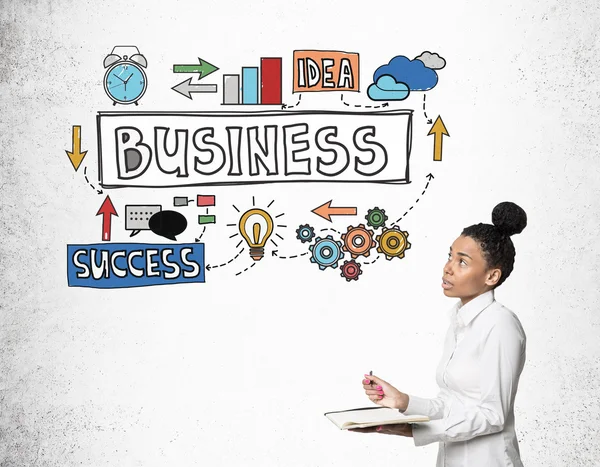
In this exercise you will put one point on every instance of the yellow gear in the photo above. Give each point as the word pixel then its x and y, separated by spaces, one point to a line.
pixel 393 242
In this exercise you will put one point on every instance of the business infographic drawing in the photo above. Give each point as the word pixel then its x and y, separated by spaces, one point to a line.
pixel 252 138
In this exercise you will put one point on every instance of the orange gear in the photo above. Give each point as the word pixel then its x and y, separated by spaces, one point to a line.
pixel 393 242
pixel 358 241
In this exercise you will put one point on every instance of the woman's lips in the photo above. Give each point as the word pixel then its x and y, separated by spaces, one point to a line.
pixel 446 285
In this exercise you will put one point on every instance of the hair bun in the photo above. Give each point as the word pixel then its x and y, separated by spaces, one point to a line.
pixel 509 218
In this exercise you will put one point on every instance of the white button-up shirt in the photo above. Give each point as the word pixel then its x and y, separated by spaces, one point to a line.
pixel 472 417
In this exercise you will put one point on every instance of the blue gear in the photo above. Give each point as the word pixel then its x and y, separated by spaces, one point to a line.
pixel 326 252
pixel 305 233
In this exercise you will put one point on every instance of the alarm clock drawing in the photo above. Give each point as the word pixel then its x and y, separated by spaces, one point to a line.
pixel 125 81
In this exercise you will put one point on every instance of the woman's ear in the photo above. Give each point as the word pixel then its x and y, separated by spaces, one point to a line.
pixel 493 276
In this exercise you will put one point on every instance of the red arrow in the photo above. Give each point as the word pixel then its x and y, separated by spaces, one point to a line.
pixel 107 210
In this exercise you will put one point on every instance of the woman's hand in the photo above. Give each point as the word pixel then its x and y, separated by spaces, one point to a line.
pixel 398 429
pixel 384 394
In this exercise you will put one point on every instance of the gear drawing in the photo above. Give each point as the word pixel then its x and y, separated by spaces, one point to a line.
pixel 326 252
pixel 350 270
pixel 358 241
pixel 305 233
pixel 376 217
pixel 393 242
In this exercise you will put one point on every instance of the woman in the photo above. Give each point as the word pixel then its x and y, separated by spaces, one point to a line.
pixel 472 417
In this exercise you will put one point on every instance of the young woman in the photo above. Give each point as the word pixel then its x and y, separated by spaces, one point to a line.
pixel 472 417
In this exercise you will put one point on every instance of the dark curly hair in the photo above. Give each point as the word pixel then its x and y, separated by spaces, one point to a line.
pixel 494 240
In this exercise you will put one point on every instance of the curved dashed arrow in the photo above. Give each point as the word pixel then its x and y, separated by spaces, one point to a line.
pixel 274 253
pixel 285 106
pixel 209 267
pixel 429 121
pixel 429 178
pixel 385 104
pixel 89 183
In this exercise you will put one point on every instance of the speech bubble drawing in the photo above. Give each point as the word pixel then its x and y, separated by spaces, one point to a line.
pixel 137 216
pixel 168 224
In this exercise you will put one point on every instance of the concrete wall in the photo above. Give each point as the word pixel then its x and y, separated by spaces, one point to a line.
pixel 238 371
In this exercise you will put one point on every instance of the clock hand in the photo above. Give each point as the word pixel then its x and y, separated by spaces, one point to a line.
pixel 129 77
pixel 118 77
pixel 117 85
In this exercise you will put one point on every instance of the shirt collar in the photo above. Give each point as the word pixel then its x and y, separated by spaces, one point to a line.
pixel 464 314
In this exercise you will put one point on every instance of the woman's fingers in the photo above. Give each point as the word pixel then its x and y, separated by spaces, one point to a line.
pixel 371 429
pixel 376 387
pixel 375 396
pixel 373 388
pixel 374 380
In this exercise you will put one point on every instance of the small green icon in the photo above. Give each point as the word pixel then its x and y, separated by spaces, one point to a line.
pixel 206 219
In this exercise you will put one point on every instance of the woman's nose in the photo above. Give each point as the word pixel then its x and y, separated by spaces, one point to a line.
pixel 447 269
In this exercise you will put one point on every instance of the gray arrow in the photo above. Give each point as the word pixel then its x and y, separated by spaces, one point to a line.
pixel 186 88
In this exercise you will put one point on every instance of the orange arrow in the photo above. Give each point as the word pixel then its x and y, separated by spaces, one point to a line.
pixel 438 130
pixel 76 156
pixel 326 211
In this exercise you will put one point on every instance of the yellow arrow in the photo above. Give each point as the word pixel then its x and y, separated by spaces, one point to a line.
pixel 76 156
pixel 438 130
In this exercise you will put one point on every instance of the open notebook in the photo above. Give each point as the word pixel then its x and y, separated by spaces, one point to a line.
pixel 369 416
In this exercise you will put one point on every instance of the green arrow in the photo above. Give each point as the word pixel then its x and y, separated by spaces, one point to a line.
pixel 204 68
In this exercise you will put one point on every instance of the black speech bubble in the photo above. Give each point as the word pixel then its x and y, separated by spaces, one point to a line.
pixel 167 224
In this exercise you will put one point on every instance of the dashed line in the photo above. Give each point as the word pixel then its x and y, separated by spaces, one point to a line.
pixel 371 262
pixel 295 256
pixel 429 121
pixel 333 230
pixel 203 230
pixel 285 106
pixel 227 262
pixel 88 181
pixel 249 267
pixel 363 106
pixel 411 208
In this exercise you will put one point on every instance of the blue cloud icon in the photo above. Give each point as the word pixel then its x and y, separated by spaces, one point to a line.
pixel 413 73
pixel 388 89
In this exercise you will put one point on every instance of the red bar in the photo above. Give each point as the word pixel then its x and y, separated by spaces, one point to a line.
pixel 270 81
pixel 205 200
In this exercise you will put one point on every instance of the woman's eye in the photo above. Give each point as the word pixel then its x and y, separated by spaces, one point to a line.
pixel 463 262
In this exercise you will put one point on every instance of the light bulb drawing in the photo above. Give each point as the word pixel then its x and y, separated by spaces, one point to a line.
pixel 256 227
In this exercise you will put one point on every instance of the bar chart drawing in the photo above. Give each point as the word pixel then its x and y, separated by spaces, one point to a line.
pixel 249 85
pixel 231 89
pixel 256 85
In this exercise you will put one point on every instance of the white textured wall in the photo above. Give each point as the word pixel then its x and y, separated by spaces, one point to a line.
pixel 194 375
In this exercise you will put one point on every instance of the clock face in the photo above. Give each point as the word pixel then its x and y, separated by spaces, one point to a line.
pixel 125 83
